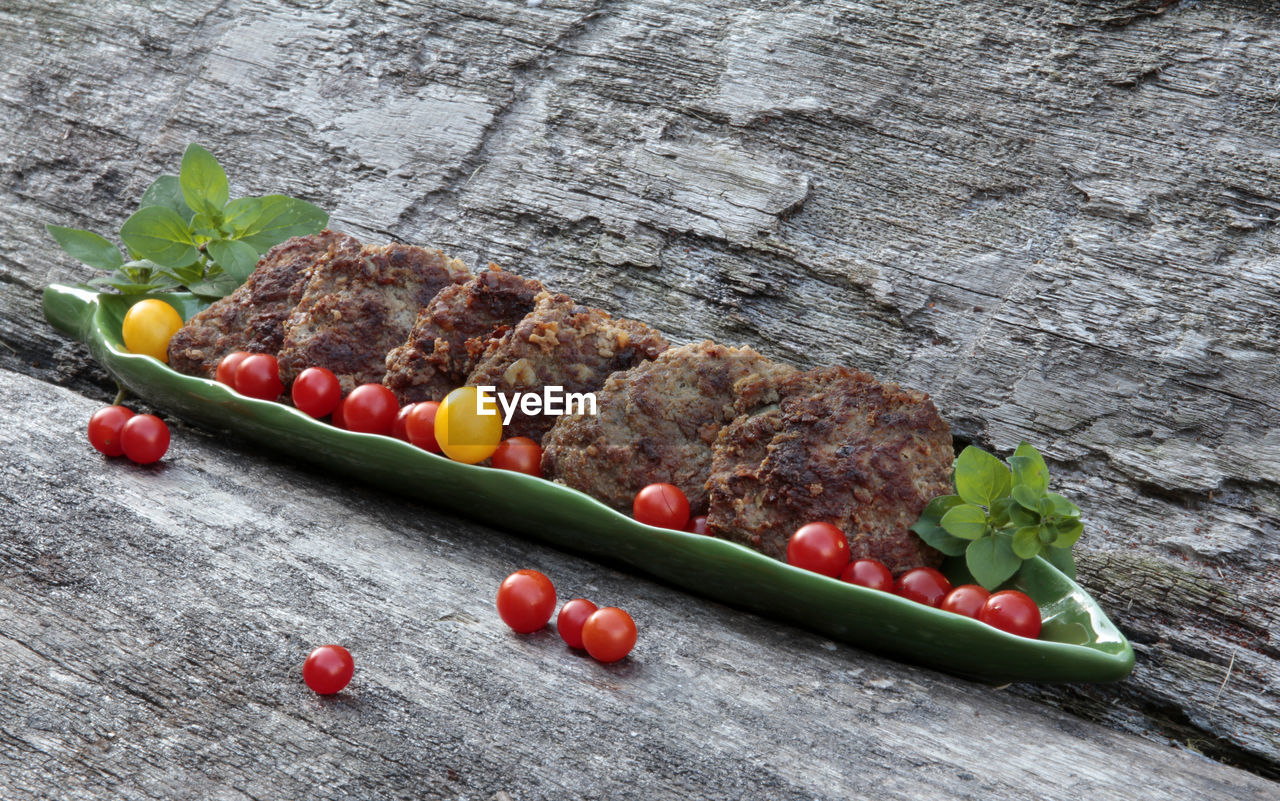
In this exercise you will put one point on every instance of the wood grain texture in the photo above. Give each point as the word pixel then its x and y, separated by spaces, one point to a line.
pixel 155 620
pixel 1057 218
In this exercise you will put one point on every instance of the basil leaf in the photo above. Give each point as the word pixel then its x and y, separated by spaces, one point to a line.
pixel 87 247
pixel 1027 497
pixel 1061 558
pixel 934 535
pixel 1062 506
pixel 991 560
pixel 203 182
pixel 217 287
pixel 1000 512
pixel 980 477
pixel 966 521
pixel 236 258
pixel 1029 469
pixel 167 191
pixel 241 214
pixel 1021 516
pixel 1026 542
pixel 1068 532
pixel 159 234
pixel 279 218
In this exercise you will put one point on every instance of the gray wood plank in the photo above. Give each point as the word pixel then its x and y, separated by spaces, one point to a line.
pixel 155 621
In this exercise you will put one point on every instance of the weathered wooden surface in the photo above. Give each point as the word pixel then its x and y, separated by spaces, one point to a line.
pixel 154 621
pixel 1058 218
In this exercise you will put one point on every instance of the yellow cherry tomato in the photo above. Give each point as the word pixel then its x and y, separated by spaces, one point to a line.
pixel 463 433
pixel 148 326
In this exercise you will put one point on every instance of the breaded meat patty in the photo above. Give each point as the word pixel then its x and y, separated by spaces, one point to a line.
pixel 561 343
pixel 358 305
pixel 252 317
pixel 657 422
pixel 453 331
pixel 841 448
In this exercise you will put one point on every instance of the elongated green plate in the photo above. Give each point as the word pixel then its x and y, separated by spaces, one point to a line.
pixel 1079 642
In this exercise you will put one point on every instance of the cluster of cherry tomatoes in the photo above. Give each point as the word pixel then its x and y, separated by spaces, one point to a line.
pixel 527 598
pixel 117 431
pixel 451 426
pixel 823 548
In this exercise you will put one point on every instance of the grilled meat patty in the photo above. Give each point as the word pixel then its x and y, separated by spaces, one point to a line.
pixel 561 343
pixel 357 305
pixel 842 448
pixel 252 317
pixel 453 331
pixel 657 422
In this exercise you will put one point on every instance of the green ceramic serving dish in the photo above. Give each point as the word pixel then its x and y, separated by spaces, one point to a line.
pixel 1079 643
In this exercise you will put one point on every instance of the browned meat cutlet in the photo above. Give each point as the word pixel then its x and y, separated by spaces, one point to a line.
pixel 561 343
pixel 358 305
pixel 252 317
pixel 453 331
pixel 842 448
pixel 658 422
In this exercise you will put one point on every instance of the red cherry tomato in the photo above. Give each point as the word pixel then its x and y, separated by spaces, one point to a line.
pixel 923 585
pixel 661 505
pixel 1012 611
pixel 328 669
pixel 144 438
pixel 104 429
pixel 226 372
pixel 258 376
pixel 420 425
pixel 370 409
pixel 569 621
pixel 698 525
pixel 316 391
pixel 336 417
pixel 519 454
pixel 526 599
pixel 820 547
pixel 399 427
pixel 868 573
pixel 967 600
pixel 609 634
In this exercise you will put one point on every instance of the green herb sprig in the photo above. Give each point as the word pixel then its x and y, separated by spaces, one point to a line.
pixel 1001 516
pixel 189 233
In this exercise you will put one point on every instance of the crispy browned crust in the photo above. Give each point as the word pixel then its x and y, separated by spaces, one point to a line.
pixel 842 448
pixel 252 317
pixel 453 331
pixel 357 305
pixel 657 423
pixel 564 344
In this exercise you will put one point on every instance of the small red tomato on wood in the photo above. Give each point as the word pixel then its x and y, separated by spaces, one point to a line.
pixel 316 391
pixel 820 547
pixel 609 634
pixel 923 585
pixel 569 622
pixel 1012 611
pixel 336 417
pixel 967 600
pixel 328 669
pixel 400 426
pixel 105 427
pixel 226 372
pixel 370 409
pixel 519 454
pixel 258 376
pixel 144 438
pixel 420 425
pixel 698 525
pixel 868 573
pixel 661 505
pixel 526 599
